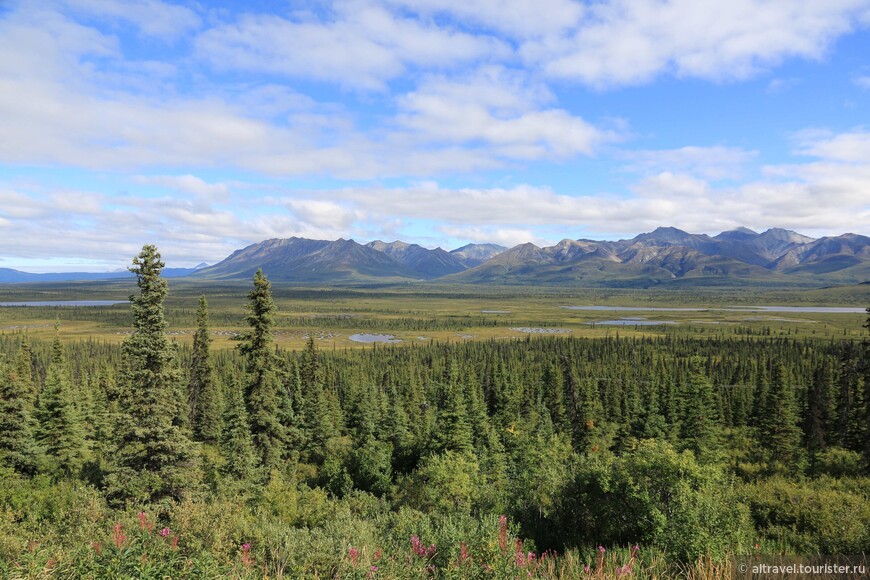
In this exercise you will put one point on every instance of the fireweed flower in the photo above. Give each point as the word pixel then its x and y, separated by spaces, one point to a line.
pixel 246 555
pixel 118 535
pixel 502 533
pixel 165 532
pixel 354 555
pixel 143 520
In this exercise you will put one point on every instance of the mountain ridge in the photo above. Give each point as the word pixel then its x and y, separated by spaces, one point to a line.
pixel 664 255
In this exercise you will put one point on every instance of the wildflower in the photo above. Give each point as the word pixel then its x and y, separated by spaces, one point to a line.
pixel 377 555
pixel 174 542
pixel 165 532
pixel 354 555
pixel 519 556
pixel 374 568
pixel 246 555
pixel 587 569
pixel 502 533
pixel 463 553
pixel 118 535
pixel 98 548
pixel 599 564
pixel 143 520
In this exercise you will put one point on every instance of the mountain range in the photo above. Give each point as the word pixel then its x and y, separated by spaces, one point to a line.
pixel 666 255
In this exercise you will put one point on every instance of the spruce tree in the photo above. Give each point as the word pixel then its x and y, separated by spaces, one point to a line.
pixel 453 429
pixel 237 447
pixel 779 431
pixel 59 427
pixel 699 430
pixel 17 445
pixel 264 390
pixel 205 403
pixel 154 458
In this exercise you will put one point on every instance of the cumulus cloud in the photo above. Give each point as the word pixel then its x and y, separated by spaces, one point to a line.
pixel 187 183
pixel 627 42
pixel 502 109
pixel 717 162
pixel 361 45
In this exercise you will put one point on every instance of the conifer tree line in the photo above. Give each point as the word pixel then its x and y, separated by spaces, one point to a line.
pixel 475 427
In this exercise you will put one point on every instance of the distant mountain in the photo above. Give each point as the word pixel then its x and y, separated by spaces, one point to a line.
pixel 473 255
pixel 666 255
pixel 426 263
pixel 10 276
pixel 303 260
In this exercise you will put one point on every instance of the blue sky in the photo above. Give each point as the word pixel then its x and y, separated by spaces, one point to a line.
pixel 206 126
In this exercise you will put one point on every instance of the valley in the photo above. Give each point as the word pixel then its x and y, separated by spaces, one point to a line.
pixel 422 313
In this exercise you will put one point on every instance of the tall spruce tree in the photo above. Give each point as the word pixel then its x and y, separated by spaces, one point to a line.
pixel 699 428
pixel 264 390
pixel 779 431
pixel 205 396
pixel 154 458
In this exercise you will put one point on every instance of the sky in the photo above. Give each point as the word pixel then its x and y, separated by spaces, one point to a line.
pixel 205 126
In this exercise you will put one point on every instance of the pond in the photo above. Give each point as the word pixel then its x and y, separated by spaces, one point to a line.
pixel 634 308
pixel 65 303
pixel 793 309
pixel 369 338
pixel 632 322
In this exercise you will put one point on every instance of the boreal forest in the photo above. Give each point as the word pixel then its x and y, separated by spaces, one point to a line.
pixel 545 457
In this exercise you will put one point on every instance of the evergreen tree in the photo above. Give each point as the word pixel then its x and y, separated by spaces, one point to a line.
pixel 17 445
pixel 820 409
pixel 154 457
pixel 453 429
pixel 699 430
pixel 59 428
pixel 779 431
pixel 205 403
pixel 237 446
pixel 264 390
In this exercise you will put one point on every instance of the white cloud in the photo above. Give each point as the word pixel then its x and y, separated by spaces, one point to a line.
pixel 717 162
pixel 626 42
pixel 849 147
pixel 516 18
pixel 507 237
pixel 187 183
pixel 502 109
pixel 152 17
pixel 362 45
pixel 323 214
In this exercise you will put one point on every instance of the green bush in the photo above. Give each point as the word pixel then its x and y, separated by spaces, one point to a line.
pixel 822 516
pixel 654 495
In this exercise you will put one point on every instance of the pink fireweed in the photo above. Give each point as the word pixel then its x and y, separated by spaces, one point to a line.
pixel 463 553
pixel 143 520
pixel 599 565
pixel 246 555
pixel 502 533
pixel 419 549
pixel 353 553
pixel 165 532
pixel 118 535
